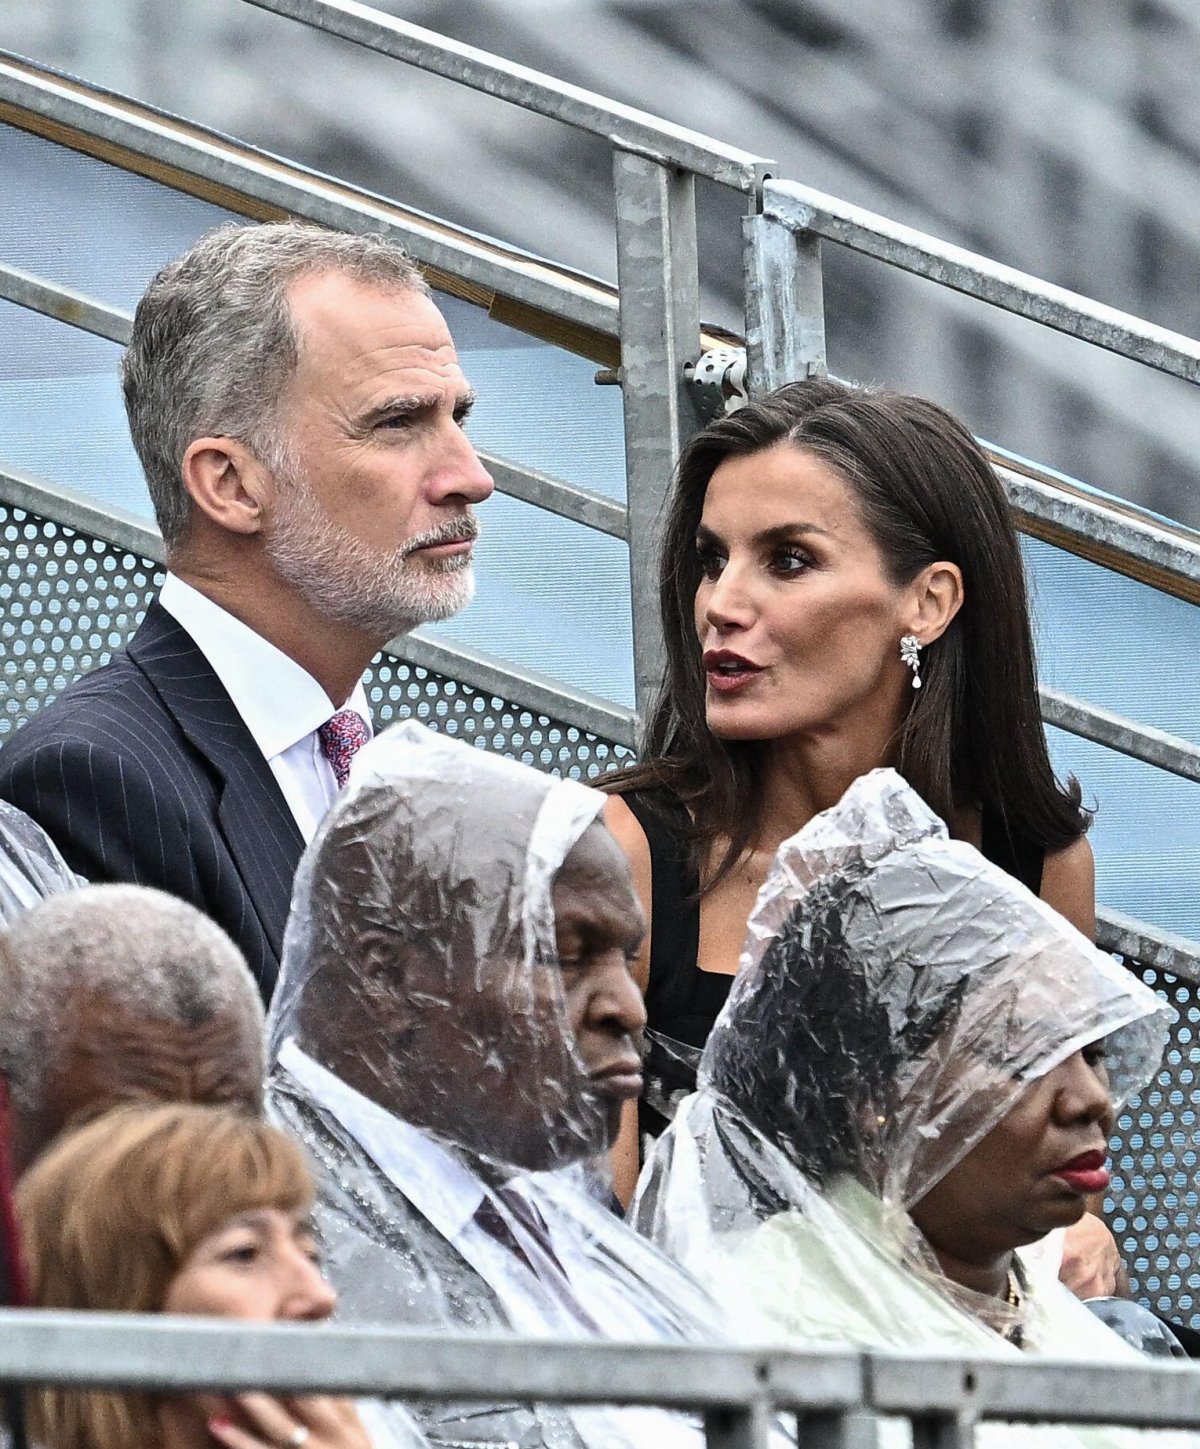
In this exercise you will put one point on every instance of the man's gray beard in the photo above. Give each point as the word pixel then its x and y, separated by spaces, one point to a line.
pixel 342 578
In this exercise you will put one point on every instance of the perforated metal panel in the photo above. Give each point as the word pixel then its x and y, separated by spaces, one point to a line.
pixel 1153 1204
pixel 68 601
pixel 399 690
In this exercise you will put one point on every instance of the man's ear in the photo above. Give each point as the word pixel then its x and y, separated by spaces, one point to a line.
pixel 936 596
pixel 379 958
pixel 228 484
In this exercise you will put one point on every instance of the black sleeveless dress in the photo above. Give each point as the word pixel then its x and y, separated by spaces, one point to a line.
pixel 683 1002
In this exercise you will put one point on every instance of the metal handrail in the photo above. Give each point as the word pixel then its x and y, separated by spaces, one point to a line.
pixel 1141 742
pixel 622 126
pixel 1100 528
pixel 576 312
pixel 177 1355
pixel 805 211
pixel 64 305
pixel 1148 946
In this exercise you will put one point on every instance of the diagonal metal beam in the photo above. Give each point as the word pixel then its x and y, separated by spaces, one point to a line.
pixel 806 210
pixel 622 126
pixel 1139 741
pixel 1147 945
pixel 1108 532
pixel 73 308
pixel 256 183
pixel 525 688
pixel 581 505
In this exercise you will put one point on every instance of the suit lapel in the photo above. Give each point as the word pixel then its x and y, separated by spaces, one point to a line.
pixel 252 815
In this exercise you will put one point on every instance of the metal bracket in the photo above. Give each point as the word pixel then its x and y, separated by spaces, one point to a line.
pixel 717 382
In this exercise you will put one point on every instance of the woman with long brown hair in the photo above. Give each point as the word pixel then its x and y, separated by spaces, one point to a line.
pixel 841 588
pixel 192 1210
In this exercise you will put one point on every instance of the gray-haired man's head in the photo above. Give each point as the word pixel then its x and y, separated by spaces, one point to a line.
pixel 297 404
pixel 214 342
pixel 117 993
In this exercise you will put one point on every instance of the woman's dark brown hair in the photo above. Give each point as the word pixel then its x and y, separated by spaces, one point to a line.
pixel 973 735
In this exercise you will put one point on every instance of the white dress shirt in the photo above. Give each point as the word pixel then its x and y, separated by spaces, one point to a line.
pixel 281 704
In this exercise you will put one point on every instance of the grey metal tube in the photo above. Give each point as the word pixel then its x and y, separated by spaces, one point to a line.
pixel 524 688
pixel 1035 1389
pixel 658 276
pixel 267 180
pixel 64 304
pixel 1089 520
pixel 182 1355
pixel 1147 945
pixel 806 210
pixel 1140 742
pixel 151 1351
pixel 785 308
pixel 580 505
pixel 623 126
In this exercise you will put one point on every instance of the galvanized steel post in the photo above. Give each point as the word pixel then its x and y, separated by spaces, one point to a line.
pixel 839 1429
pixel 785 305
pixel 943 1431
pixel 658 282
pixel 740 1428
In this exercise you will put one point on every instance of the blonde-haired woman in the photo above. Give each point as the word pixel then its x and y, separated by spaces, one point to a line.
pixel 192 1210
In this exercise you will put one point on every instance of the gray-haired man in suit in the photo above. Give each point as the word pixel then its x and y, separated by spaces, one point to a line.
pixel 297 404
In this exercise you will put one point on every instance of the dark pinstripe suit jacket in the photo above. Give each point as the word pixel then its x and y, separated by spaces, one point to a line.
pixel 143 771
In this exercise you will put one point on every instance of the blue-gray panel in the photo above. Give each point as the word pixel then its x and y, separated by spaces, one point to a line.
pixel 1146 834
pixel 552 595
pixel 1116 642
pixel 1124 646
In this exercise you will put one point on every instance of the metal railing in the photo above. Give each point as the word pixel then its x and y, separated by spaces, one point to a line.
pixel 785 248
pixel 837 1396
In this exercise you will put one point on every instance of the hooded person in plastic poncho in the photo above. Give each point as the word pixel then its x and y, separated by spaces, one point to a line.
pixel 30 867
pixel 454 1032
pixel 915 1074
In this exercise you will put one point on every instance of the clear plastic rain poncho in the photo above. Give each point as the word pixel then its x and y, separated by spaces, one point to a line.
pixel 896 996
pixel 422 1048
pixel 30 867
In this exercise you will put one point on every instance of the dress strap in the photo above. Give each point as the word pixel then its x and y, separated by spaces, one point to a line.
pixel 674 904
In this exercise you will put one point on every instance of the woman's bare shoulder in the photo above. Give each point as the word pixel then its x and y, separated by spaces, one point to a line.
pixel 625 826
pixel 1069 884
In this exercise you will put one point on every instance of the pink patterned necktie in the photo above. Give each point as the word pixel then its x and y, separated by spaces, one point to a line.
pixel 341 739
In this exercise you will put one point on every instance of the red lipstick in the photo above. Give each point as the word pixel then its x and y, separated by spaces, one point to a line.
pixel 1085 1174
pixel 728 672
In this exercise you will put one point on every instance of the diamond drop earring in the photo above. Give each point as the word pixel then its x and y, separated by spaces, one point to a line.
pixel 910 653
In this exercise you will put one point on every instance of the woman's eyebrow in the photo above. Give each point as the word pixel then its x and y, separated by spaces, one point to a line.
pixel 784 531
pixel 251 1218
pixel 778 533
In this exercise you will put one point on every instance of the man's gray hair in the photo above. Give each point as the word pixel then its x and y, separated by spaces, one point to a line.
pixel 214 344
pixel 148 953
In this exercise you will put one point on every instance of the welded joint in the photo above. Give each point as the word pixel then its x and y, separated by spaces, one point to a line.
pixel 717 382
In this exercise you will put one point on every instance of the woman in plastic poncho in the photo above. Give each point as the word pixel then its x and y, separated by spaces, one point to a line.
pixel 914 1078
